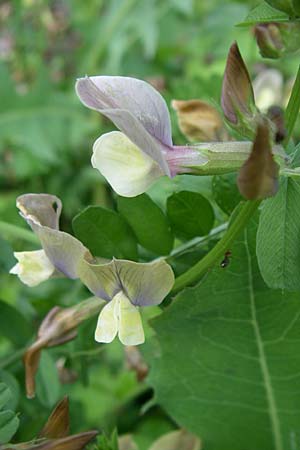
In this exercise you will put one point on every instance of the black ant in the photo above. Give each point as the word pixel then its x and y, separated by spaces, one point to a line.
pixel 226 259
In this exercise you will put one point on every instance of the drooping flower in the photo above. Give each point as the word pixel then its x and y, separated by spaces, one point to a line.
pixel 124 285
pixel 133 159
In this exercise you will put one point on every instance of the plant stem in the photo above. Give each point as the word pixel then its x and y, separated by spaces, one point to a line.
pixel 13 231
pixel 292 109
pixel 15 356
pixel 198 270
pixel 194 243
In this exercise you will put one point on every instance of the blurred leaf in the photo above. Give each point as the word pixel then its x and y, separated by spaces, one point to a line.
pixel 105 233
pixel 5 395
pixel 148 222
pixel 227 357
pixel 7 259
pixel 9 424
pixel 47 382
pixel 190 214
pixel 264 13
pixel 13 385
pixel 21 331
pixel 35 128
pixel 225 192
pixel 278 238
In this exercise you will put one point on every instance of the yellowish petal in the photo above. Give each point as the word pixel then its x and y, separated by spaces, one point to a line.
pixel 33 267
pixel 107 326
pixel 128 169
pixel 130 323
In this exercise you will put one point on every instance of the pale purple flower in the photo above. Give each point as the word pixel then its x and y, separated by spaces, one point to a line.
pixel 133 159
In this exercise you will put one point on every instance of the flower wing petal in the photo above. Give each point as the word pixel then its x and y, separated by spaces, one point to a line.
pixel 145 284
pixel 128 170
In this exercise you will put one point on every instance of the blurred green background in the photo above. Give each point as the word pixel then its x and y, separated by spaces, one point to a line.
pixel 46 137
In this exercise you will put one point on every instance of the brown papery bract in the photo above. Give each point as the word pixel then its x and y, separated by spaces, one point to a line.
pixel 258 177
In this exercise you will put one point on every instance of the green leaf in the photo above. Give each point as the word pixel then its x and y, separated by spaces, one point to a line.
pixel 9 424
pixel 190 214
pixel 148 222
pixel 278 238
pixel 105 233
pixel 292 109
pixel 21 331
pixel 13 385
pixel 228 368
pixel 225 192
pixel 5 395
pixel 264 13
pixel 47 381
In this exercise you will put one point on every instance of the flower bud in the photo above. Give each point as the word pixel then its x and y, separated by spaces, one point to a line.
pixel 237 94
pixel 277 39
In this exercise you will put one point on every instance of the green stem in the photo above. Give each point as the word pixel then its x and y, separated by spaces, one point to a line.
pixel 15 356
pixel 14 232
pixel 292 109
pixel 194 243
pixel 217 253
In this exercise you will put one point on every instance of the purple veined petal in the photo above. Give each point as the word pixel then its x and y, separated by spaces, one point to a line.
pixel 42 208
pixel 100 279
pixel 145 284
pixel 135 107
pixel 41 211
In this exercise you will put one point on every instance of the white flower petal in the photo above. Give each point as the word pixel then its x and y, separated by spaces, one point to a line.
pixel 128 170
pixel 33 267
pixel 107 325
pixel 130 323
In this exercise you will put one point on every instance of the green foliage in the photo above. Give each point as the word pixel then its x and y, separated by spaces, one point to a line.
pixel 9 422
pixel 190 214
pixel 225 192
pixel 224 360
pixel 48 386
pixel 264 13
pixel 20 333
pixel 226 357
pixel 148 222
pixel 105 233
pixel 278 238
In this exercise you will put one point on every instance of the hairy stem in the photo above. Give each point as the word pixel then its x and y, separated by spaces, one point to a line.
pixel 217 253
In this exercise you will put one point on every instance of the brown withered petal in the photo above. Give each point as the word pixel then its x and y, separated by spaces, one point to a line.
pixel 58 424
pixel 75 442
pixel 49 334
pixel 58 327
pixel 258 177
pixel 135 362
pixel 177 440
pixel 198 120
pixel 237 91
